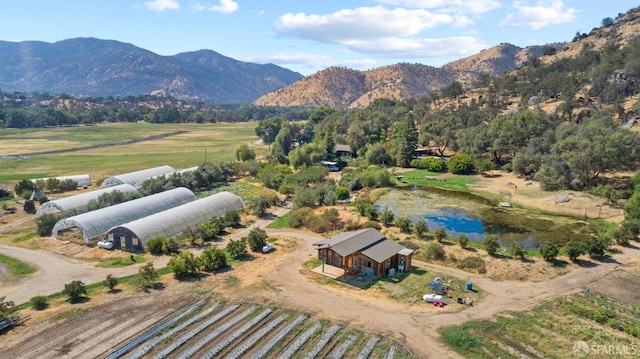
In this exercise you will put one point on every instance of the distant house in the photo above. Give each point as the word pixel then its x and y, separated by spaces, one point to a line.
pixel 343 151
pixel 367 251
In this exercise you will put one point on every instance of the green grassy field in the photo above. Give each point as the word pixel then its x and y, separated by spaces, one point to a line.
pixel 552 329
pixel 16 267
pixel 215 142
pixel 418 178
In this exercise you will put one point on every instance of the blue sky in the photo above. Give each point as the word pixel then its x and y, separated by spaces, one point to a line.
pixel 310 35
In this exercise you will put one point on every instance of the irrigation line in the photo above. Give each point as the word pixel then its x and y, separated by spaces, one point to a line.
pixel 264 330
pixel 221 329
pixel 323 342
pixel 391 353
pixel 262 353
pixel 235 335
pixel 339 353
pixel 173 331
pixel 194 332
pixel 368 348
pixel 153 331
pixel 300 341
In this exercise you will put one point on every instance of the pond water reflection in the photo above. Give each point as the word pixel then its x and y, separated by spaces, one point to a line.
pixel 476 217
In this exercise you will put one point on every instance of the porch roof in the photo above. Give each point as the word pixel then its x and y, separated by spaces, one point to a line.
pixel 382 250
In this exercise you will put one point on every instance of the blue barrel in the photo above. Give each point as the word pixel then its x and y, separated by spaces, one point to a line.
pixel 469 286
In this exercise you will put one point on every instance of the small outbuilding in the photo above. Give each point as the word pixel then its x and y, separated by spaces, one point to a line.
pixel 365 251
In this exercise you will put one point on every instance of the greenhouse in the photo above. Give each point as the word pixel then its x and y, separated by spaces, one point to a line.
pixel 166 175
pixel 133 178
pixel 78 203
pixel 134 235
pixel 80 180
pixel 97 222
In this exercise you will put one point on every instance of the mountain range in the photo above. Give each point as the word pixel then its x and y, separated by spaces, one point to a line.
pixel 102 68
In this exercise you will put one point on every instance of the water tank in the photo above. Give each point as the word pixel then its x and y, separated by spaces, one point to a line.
pixel 392 272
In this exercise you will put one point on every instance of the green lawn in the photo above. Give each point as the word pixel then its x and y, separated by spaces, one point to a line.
pixel 16 267
pixel 215 142
pixel 418 178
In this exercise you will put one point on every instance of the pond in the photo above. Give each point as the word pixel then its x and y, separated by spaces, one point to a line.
pixel 476 217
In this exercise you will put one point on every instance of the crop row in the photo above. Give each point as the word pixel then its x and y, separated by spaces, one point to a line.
pixel 250 334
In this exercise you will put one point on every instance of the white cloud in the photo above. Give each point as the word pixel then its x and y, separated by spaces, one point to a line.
pixel 309 62
pixel 162 5
pixel 543 13
pixel 448 6
pixel 225 7
pixel 363 23
pixel 419 48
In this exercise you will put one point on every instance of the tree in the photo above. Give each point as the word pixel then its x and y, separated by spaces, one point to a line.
pixel 460 164
pixel 434 251
pixel 209 230
pixel 260 205
pixel 39 302
pixel 184 265
pixel 245 153
pixel 237 249
pixel 212 258
pixel 403 223
pixel 377 155
pixel 46 222
pixel 463 240
pixel 170 246
pixel 110 282
pixel 517 251
pixel 595 246
pixel 29 206
pixel 257 239
pixel 68 185
pixel 52 184
pixel 147 275
pixel 453 90
pixel 420 228
pixel 404 141
pixel 490 243
pixel 75 290
pixel 154 245
pixel 574 250
pixel 6 307
pixel 386 217
pixel 23 188
pixel 440 234
pixel 607 21
pixel 342 193
pixel 548 251
pixel 231 218
pixel 268 129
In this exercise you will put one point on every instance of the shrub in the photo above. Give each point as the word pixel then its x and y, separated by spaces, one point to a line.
pixel 573 250
pixel 74 290
pixel 154 245
pixel 147 275
pixel 403 223
pixel 29 206
pixel 257 239
pixel 68 185
pixel 595 246
pixel 6 307
pixel 39 302
pixel 260 205
pixel 430 164
pixel 300 217
pixel 473 264
pixel 548 251
pixel 170 246
pixel 367 209
pixel 517 251
pixel 386 217
pixel 490 244
pixel 46 222
pixel 434 251
pixel 184 265
pixel 370 224
pixel 461 164
pixel 463 240
pixel 440 234
pixel 110 282
pixel 231 218
pixel 237 249
pixel 420 228
pixel 342 193
pixel 212 259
